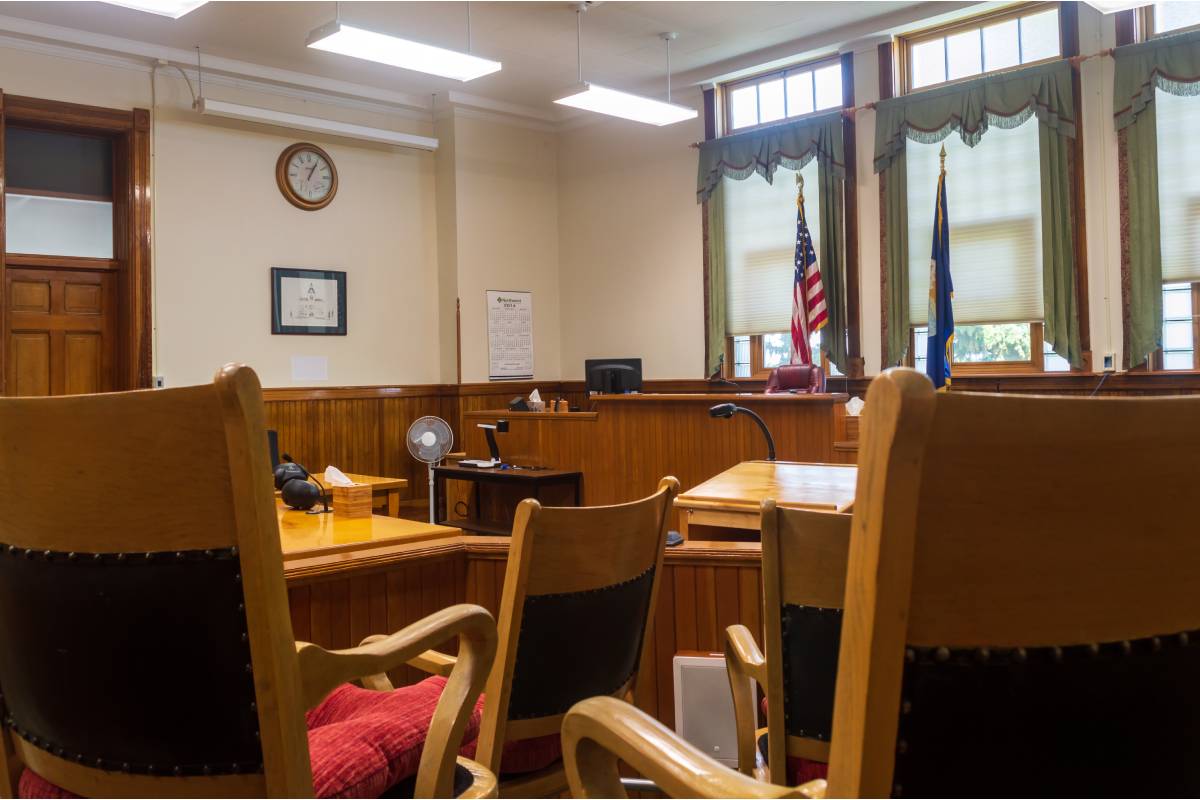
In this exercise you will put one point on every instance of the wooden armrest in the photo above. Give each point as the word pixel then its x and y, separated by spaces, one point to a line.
pixel 434 662
pixel 431 662
pixel 323 670
pixel 600 731
pixel 746 667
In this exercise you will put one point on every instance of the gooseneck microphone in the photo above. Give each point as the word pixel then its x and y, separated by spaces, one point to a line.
pixel 727 410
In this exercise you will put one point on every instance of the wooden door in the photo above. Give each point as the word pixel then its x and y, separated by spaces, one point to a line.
pixel 60 327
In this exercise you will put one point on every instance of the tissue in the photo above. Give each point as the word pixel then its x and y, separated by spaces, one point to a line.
pixel 854 406
pixel 335 477
pixel 535 401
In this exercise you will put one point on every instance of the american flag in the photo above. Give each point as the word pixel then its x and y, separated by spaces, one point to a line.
pixel 808 295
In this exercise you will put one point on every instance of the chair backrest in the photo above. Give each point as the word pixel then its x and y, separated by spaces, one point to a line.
pixel 579 590
pixel 1022 597
pixel 145 641
pixel 804 581
pixel 803 378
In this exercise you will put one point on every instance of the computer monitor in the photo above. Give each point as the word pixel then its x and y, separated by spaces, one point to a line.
pixel 613 375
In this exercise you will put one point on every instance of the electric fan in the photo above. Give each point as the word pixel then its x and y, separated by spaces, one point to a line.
pixel 429 439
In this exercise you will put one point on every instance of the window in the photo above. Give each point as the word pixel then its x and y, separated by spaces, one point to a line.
pixel 1173 16
pixel 1179 225
pixel 788 93
pixel 755 356
pixel 995 246
pixel 1015 347
pixel 760 251
pixel 983 44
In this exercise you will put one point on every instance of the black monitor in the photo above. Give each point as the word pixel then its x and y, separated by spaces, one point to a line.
pixel 613 375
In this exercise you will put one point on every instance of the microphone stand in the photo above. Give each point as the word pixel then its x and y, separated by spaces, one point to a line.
pixel 763 426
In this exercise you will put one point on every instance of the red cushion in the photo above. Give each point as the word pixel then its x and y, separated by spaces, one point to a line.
pixel 523 755
pixel 360 742
pixel 799 770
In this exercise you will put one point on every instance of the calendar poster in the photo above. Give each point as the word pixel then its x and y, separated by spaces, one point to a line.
pixel 510 335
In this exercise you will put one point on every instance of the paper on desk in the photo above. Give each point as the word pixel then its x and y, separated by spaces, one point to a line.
pixel 854 406
pixel 335 477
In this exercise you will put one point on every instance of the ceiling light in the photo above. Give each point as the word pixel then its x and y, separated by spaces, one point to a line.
pixel 266 116
pixel 1113 6
pixel 603 100
pixel 165 8
pixel 338 37
pixel 615 103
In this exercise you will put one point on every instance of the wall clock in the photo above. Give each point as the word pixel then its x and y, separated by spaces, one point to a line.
pixel 306 176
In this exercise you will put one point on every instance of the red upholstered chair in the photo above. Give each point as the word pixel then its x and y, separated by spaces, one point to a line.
pixel 804 554
pixel 579 590
pixel 797 379
pixel 146 646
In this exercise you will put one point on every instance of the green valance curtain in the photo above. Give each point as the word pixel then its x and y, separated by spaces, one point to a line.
pixel 791 145
pixel 1170 63
pixel 1005 100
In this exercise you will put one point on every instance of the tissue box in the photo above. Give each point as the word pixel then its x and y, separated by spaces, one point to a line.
pixel 352 502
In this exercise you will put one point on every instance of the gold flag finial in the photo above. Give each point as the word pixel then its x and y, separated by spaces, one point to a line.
pixel 943 157
pixel 799 186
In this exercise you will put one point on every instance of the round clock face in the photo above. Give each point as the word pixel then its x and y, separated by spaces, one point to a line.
pixel 307 176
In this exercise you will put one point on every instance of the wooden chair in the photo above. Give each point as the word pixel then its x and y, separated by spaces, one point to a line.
pixel 601 732
pixel 579 592
pixel 1022 597
pixel 1022 603
pixel 804 579
pixel 146 647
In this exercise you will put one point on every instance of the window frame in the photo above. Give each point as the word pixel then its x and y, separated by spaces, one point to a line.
pixel 1156 358
pixel 758 372
pixel 727 89
pixel 1035 364
pixel 1144 29
pixel 904 42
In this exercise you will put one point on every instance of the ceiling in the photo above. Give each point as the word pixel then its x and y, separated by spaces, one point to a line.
pixel 534 40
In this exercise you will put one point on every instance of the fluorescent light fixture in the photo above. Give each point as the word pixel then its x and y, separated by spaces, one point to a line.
pixel 1113 6
pixel 602 100
pixel 164 8
pixel 266 116
pixel 338 37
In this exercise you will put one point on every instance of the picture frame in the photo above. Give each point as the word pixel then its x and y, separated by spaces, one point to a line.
pixel 308 302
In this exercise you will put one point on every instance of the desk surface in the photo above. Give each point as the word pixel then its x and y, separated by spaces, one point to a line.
pixel 455 472
pixel 743 487
pixel 376 483
pixel 724 397
pixel 304 535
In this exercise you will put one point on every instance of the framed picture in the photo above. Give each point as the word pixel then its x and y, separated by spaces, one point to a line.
pixel 308 301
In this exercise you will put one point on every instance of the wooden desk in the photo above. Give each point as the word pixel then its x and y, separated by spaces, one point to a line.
pixel 732 498
pixel 521 482
pixel 327 538
pixel 391 487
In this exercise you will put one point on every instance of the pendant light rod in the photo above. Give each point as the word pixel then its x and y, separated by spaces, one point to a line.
pixel 468 26
pixel 579 9
pixel 668 38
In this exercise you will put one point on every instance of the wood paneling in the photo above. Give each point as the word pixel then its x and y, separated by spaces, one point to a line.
pixel 706 586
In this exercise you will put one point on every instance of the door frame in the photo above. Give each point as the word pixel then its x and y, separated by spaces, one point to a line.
pixel 130 134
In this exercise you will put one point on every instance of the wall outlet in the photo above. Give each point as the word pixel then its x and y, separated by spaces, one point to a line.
pixel 160 381
pixel 1110 362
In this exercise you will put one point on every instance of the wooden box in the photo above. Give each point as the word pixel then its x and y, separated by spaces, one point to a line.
pixel 352 502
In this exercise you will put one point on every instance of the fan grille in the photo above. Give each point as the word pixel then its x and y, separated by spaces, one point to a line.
pixel 429 439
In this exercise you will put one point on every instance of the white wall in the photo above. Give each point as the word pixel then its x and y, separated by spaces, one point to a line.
pixel 221 224
pixel 630 238
pixel 506 218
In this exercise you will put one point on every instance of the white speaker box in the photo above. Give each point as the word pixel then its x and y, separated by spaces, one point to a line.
pixel 704 705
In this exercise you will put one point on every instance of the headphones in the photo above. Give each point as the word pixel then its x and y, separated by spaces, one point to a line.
pixel 291 480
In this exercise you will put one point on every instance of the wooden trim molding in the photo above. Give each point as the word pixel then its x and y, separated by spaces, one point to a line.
pixel 855 364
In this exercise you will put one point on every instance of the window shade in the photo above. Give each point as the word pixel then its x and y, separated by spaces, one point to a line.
pixel 994 203
pixel 760 247
pixel 1178 186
